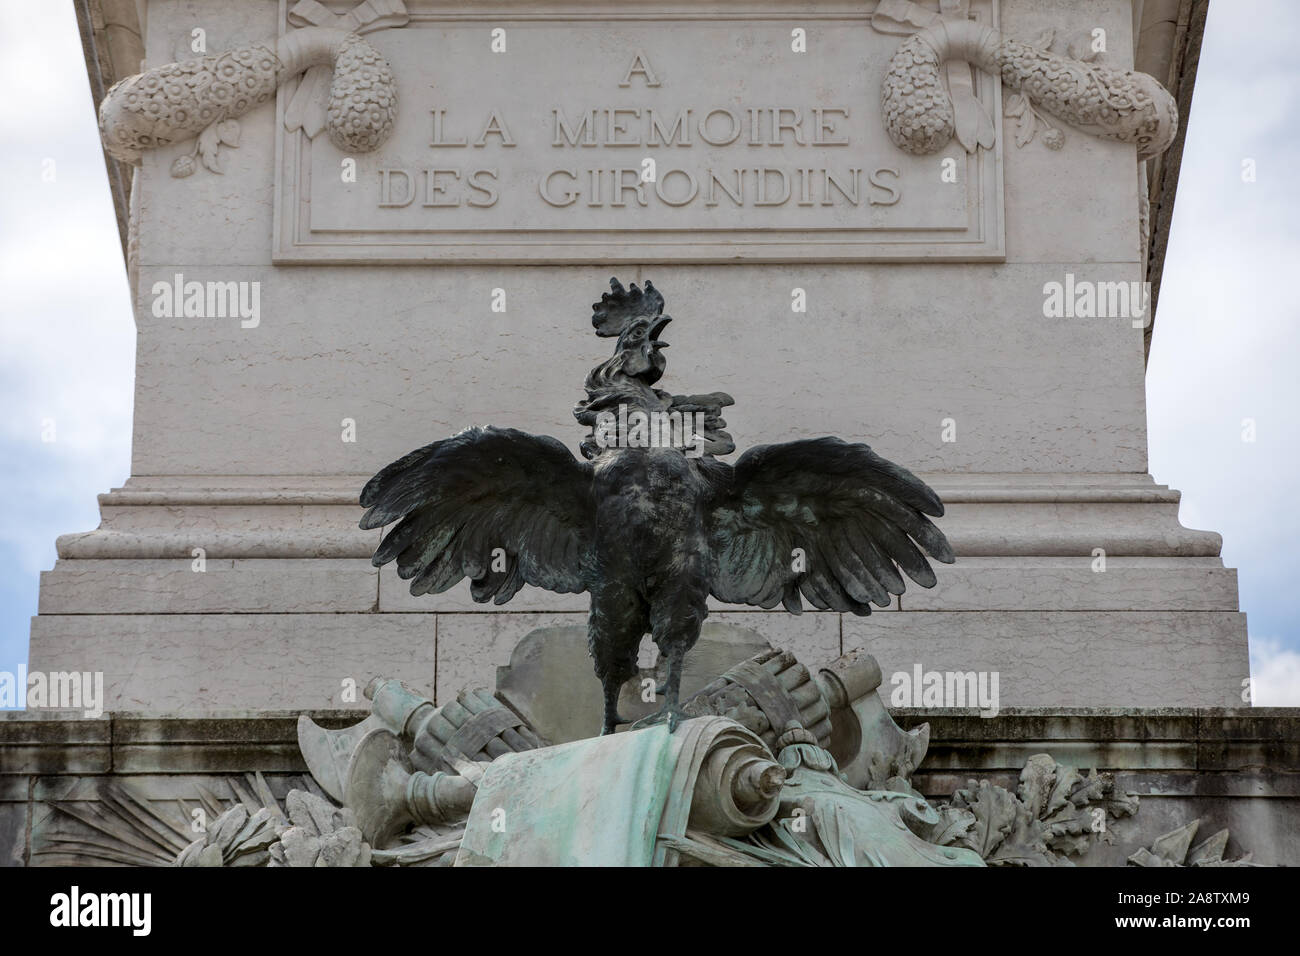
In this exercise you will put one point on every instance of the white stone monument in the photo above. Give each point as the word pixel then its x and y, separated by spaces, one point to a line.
pixel 322 284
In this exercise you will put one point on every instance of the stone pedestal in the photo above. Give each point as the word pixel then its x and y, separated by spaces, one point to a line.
pixel 229 572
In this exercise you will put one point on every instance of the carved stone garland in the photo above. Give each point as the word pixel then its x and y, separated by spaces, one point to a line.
pixel 174 102
pixel 1116 104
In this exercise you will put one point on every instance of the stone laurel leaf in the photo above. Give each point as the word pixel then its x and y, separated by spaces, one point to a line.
pixel 1175 849
pixel 229 824
pixel 210 148
pixel 1026 123
pixel 1082 74
pixel 237 838
pixel 1018 109
pixel 321 835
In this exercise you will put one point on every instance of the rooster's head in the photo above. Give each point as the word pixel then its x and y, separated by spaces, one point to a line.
pixel 638 349
pixel 636 317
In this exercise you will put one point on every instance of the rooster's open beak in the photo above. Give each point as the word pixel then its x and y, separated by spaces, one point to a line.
pixel 656 329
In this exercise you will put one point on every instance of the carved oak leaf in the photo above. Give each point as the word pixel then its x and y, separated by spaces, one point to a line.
pixel 953 826
pixel 1071 788
pixel 995 815
pixel 1070 829
pixel 1024 845
pixel 1045 39
pixel 1038 789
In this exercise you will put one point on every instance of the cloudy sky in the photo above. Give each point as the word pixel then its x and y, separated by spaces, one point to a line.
pixel 1226 347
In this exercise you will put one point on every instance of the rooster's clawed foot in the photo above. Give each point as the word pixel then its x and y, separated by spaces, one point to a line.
pixel 669 713
pixel 613 723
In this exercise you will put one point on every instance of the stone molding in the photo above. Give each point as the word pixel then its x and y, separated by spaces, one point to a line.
pixel 1165 739
pixel 315 516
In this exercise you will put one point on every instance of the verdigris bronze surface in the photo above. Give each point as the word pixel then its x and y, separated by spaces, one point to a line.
pixel 652 523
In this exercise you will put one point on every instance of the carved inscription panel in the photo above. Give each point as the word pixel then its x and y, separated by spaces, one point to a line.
pixel 647 133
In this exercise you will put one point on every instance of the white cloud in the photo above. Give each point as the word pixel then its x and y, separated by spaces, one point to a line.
pixel 1276 670
pixel 1228 321
pixel 67 339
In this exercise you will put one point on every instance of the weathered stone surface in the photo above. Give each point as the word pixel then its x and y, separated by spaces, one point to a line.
pixel 1072 584
pixel 225 586
pixel 48 742
pixel 14 794
pixel 548 676
pixel 471 647
pixel 1069 659
pixel 1014 411
pixel 207 662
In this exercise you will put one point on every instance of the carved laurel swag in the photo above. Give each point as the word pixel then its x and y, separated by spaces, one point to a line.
pixel 919 115
pixel 203 96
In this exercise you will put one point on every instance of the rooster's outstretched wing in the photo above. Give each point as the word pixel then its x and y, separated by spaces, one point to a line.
pixel 856 517
pixel 462 498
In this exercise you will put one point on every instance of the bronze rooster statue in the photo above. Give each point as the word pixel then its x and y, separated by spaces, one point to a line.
pixel 652 522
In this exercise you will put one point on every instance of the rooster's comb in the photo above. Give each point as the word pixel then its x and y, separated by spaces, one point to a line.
pixel 619 307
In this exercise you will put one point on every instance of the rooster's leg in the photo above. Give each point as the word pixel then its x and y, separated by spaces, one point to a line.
pixel 612 717
pixel 670 709
pixel 677 611
pixel 670 713
pixel 614 629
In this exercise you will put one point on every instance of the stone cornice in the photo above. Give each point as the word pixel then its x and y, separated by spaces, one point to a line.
pixel 1169 47
pixel 111 32
pixel 1165 739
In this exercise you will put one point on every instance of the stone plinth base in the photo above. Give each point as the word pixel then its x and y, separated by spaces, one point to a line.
pixel 1238 769
pixel 206 594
